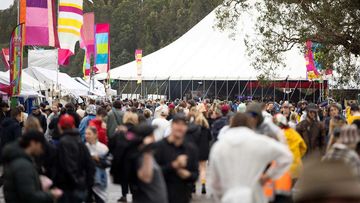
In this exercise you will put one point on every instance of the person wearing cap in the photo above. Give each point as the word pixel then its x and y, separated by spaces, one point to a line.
pixel 238 161
pixel 285 110
pixel 178 161
pixel 354 113
pixel 312 131
pixel 161 124
pixel 261 125
pixel 344 149
pixel 90 115
pixel 327 182
pixel 35 112
pixel 115 118
pixel 21 179
pixel 75 167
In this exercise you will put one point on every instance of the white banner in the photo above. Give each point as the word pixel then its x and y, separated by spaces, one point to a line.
pixel 43 58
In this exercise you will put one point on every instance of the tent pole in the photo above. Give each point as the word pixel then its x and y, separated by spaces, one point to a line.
pixel 169 90
pixel 294 90
pixel 245 88
pixel 274 90
pixel 239 85
pixel 204 88
pixel 181 89
pixel 207 91
pixel 233 87
pixel 227 89
pixel 215 89
pixel 192 88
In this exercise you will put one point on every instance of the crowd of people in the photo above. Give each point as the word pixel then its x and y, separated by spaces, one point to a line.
pixel 160 151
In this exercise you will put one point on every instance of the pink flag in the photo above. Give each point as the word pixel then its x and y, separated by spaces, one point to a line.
pixel 40 23
pixel 102 47
pixel 88 34
pixel 5 57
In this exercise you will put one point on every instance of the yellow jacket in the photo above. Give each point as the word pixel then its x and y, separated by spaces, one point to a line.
pixel 351 119
pixel 298 148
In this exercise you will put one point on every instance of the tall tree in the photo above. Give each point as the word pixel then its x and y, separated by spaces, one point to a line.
pixel 283 24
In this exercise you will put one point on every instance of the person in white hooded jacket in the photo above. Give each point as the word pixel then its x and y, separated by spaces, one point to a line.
pixel 239 159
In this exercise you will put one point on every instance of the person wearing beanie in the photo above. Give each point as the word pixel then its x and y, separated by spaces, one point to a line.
pixel 90 115
pixel 75 167
pixel 344 149
pixel 21 181
pixel 261 125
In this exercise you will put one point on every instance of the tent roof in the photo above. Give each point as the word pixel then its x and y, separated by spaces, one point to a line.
pixel 205 53
pixel 49 77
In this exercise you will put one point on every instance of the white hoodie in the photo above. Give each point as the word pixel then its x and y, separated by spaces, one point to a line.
pixel 237 162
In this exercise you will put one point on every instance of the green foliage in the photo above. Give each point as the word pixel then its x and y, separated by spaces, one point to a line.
pixel 283 24
pixel 146 24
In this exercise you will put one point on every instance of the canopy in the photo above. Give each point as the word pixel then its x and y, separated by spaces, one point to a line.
pixel 98 88
pixel 29 85
pixel 205 53
pixel 50 78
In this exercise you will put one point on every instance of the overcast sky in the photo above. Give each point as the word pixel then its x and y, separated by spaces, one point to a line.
pixel 4 4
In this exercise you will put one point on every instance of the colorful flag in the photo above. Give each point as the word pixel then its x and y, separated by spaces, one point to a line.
pixel 312 72
pixel 86 67
pixel 138 59
pixel 5 57
pixel 16 59
pixel 102 47
pixel 88 34
pixel 70 21
pixel 40 22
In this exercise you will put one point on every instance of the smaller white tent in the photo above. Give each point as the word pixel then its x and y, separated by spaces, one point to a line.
pixel 98 88
pixel 29 85
pixel 50 78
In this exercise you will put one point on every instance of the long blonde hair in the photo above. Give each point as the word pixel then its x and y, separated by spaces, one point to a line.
pixel 201 120
pixel 32 123
pixel 131 118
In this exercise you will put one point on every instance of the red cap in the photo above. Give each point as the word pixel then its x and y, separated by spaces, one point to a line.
pixel 66 122
pixel 225 109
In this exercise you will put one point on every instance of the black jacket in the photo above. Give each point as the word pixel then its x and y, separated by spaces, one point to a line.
pixel 217 125
pixel 165 153
pixel 10 132
pixel 42 121
pixel 75 167
pixel 21 180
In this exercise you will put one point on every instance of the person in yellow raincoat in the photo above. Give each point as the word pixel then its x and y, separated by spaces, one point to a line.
pixel 280 190
pixel 295 142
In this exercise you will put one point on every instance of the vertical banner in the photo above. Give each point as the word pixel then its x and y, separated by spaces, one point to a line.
pixel 16 59
pixel 70 21
pixel 5 57
pixel 102 48
pixel 311 70
pixel 138 59
pixel 22 11
pixel 40 22
pixel 88 41
pixel 88 34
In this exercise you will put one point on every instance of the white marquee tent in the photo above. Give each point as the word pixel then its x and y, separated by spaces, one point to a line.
pixel 205 53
